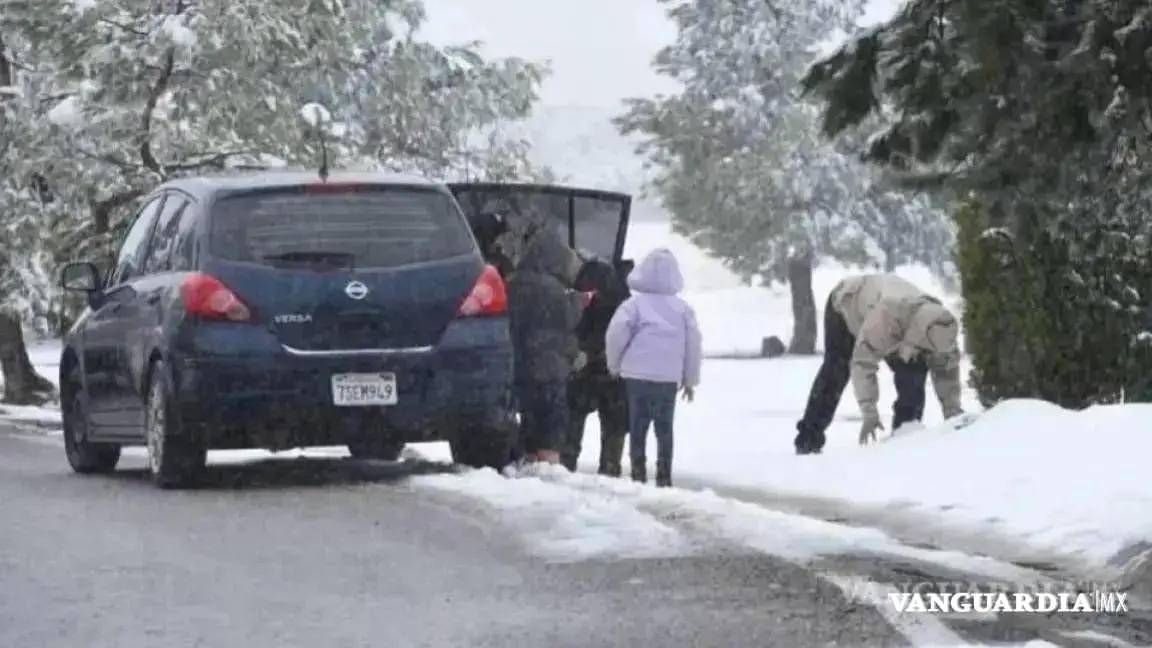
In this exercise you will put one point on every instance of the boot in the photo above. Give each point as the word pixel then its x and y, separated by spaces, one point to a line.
pixel 611 449
pixel 568 461
pixel 663 475
pixel 639 471
pixel 610 469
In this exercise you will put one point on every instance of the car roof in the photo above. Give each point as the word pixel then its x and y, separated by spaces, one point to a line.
pixel 540 188
pixel 210 185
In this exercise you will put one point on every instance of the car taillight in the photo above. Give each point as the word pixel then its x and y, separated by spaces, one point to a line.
pixel 206 296
pixel 488 296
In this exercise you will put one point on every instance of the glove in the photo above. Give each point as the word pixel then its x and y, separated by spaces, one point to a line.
pixel 962 421
pixel 868 430
pixel 689 394
pixel 580 362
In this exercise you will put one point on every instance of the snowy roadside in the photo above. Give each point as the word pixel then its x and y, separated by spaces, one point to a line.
pixel 45 357
pixel 565 517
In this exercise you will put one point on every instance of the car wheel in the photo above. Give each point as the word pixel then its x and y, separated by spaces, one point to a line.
pixel 83 455
pixel 174 460
pixel 384 449
pixel 482 449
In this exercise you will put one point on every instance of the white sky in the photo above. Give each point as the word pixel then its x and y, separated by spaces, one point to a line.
pixel 600 50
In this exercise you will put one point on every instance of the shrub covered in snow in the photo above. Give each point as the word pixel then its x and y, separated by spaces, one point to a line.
pixel 1054 315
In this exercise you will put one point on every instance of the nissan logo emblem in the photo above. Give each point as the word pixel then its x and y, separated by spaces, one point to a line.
pixel 356 290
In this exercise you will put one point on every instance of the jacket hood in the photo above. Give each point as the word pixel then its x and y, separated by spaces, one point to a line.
pixel 657 274
pixel 547 254
pixel 934 329
pixel 601 277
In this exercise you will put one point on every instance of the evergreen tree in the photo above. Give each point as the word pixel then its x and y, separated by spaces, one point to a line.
pixel 740 163
pixel 1040 112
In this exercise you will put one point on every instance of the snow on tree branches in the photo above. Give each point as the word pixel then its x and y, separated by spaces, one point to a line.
pixel 111 97
pixel 1040 112
pixel 740 162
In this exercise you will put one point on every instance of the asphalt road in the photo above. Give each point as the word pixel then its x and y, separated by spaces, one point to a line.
pixel 341 553
pixel 318 553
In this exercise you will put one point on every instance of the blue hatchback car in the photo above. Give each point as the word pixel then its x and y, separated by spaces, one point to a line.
pixel 277 310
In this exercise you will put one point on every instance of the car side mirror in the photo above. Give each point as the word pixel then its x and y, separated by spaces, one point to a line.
pixel 81 277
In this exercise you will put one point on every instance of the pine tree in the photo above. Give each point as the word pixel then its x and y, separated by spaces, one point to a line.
pixel 21 258
pixel 741 165
pixel 1040 112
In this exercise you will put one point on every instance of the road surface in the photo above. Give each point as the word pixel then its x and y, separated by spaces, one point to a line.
pixel 335 552
pixel 341 553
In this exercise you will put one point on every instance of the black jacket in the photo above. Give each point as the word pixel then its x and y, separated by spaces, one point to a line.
pixel 611 291
pixel 488 228
pixel 544 310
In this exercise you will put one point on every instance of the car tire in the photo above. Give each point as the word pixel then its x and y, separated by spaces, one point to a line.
pixel 482 449
pixel 383 449
pixel 174 459
pixel 84 456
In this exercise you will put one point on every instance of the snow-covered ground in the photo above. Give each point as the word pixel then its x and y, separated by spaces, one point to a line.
pixel 45 356
pixel 1027 480
pixel 1029 473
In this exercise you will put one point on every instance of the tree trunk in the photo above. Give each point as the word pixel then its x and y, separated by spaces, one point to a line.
pixel 803 305
pixel 6 75
pixel 22 385
pixel 889 258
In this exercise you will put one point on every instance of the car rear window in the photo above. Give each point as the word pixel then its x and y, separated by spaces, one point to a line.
pixel 595 221
pixel 367 227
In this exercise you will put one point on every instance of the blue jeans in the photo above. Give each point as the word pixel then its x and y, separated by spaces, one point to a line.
pixel 651 403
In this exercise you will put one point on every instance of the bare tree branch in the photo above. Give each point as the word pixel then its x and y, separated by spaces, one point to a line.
pixel 108 158
pixel 205 160
pixel 128 28
pixel 146 155
pixel 5 66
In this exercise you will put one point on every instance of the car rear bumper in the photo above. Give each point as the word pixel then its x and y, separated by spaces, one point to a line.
pixel 236 389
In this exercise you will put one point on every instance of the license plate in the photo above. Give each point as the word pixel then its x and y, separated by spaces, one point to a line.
pixel 359 390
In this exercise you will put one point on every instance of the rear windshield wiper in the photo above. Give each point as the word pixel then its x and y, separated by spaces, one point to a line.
pixel 314 258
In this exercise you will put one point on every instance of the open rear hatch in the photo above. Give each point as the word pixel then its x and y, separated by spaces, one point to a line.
pixel 595 223
pixel 335 267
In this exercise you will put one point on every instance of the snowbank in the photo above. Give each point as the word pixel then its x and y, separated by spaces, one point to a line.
pixel 564 517
pixel 1066 483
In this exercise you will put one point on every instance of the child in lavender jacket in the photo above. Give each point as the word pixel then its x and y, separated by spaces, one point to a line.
pixel 653 341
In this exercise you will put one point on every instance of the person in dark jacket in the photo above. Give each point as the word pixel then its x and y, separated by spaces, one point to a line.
pixel 488 228
pixel 591 388
pixel 544 312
